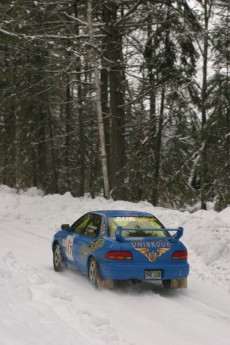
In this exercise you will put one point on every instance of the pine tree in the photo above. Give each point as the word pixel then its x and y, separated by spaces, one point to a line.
pixel 218 131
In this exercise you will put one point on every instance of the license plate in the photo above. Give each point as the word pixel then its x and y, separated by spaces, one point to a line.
pixel 152 274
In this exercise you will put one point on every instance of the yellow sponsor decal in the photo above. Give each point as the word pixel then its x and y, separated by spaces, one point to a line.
pixel 152 255
pixel 152 219
pixel 86 250
pixel 103 227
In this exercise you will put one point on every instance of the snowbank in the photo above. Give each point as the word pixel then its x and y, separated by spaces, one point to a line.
pixel 39 306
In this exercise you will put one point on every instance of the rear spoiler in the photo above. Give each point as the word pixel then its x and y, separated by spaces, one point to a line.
pixel 174 238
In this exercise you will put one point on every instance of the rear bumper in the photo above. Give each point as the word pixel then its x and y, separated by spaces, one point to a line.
pixel 127 270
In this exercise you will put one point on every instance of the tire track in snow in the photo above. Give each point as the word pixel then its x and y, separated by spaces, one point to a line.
pixel 29 293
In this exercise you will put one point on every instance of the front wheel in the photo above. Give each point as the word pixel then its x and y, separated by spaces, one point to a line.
pixel 57 258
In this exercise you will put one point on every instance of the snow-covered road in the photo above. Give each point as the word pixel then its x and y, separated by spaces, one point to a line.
pixel 39 306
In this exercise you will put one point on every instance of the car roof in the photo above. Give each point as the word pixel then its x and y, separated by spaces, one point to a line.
pixel 123 213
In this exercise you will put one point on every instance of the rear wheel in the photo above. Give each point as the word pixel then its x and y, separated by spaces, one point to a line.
pixel 166 284
pixel 57 258
pixel 175 283
pixel 95 276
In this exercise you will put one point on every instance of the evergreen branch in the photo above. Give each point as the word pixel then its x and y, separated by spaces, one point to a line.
pixel 81 21
pixel 9 33
pixel 127 14
pixel 75 19
pixel 38 37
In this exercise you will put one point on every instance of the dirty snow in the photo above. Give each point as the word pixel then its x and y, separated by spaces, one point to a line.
pixel 40 307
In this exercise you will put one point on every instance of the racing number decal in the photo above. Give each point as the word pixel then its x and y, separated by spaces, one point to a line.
pixel 68 245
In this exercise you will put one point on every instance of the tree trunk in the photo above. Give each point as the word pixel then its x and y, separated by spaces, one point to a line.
pixel 54 177
pixel 155 196
pixel 67 133
pixel 106 112
pixel 80 110
pixel 18 163
pixel 204 163
pixel 114 57
pixel 98 103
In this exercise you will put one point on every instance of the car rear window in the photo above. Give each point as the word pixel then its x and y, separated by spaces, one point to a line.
pixel 137 224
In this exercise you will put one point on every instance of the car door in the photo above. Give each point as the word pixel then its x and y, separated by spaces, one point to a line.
pixel 88 241
pixel 72 239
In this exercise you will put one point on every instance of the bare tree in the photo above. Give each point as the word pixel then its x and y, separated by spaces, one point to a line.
pixel 98 102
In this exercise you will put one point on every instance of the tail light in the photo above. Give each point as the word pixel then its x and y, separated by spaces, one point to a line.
pixel 118 255
pixel 180 255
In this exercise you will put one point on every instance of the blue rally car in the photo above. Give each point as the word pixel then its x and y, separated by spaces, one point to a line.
pixel 111 246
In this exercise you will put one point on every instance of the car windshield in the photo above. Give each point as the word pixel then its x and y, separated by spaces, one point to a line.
pixel 138 224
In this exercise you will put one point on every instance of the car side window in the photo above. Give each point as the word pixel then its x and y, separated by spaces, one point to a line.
pixel 80 225
pixel 93 227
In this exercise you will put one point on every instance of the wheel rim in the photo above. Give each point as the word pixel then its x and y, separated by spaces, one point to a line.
pixel 92 272
pixel 57 256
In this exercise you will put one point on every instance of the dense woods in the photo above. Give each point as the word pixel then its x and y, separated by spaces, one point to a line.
pixel 123 98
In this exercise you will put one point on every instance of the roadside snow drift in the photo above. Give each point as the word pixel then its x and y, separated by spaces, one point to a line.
pixel 39 306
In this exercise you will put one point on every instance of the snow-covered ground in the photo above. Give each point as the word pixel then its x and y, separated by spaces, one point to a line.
pixel 40 307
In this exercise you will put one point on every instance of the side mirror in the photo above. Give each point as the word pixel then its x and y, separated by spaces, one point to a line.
pixel 65 227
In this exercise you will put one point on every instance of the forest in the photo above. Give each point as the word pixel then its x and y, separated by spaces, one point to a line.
pixel 126 99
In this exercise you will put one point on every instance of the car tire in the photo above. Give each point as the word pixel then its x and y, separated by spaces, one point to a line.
pixel 95 277
pixel 167 284
pixel 175 283
pixel 57 258
pixel 92 272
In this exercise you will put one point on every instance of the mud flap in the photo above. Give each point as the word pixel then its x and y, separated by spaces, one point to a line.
pixel 179 283
pixel 103 283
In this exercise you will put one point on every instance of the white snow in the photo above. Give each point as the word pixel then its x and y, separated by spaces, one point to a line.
pixel 40 307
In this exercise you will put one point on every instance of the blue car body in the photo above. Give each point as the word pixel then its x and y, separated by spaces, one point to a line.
pixel 126 252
